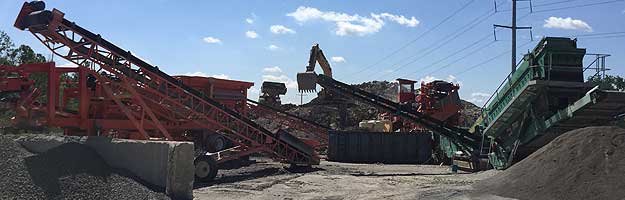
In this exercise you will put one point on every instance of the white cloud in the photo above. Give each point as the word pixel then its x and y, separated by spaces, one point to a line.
pixel 290 83
pixel 478 98
pixel 212 40
pixel 274 69
pixel 427 79
pixel 202 74
pixel 254 91
pixel 251 34
pixel 273 47
pixel 221 76
pixel 450 78
pixel 251 20
pixel 368 26
pixel 400 19
pixel 338 59
pixel 347 24
pixel 280 29
pixel 567 23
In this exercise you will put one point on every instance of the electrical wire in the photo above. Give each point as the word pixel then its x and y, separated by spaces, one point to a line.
pixel 598 34
pixel 463 57
pixel 538 5
pixel 454 35
pixel 416 39
pixel 489 60
pixel 579 6
pixel 451 55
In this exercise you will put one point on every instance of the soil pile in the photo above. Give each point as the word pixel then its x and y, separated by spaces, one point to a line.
pixel 326 112
pixel 587 163
pixel 469 113
pixel 69 171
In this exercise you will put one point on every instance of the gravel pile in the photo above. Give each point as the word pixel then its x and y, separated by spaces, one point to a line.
pixel 69 171
pixel 586 163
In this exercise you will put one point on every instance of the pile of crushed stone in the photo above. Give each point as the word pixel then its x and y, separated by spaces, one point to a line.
pixel 69 171
pixel 587 163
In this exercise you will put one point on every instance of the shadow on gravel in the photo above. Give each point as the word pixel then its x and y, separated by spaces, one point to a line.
pixel 244 175
pixel 408 174
pixel 234 164
pixel 66 160
pixel 303 169
pixel 241 177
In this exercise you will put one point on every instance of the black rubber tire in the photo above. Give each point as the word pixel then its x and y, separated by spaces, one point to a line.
pixel 217 142
pixel 205 168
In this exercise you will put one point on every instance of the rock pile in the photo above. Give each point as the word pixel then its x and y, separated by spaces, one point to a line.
pixel 69 171
pixel 587 163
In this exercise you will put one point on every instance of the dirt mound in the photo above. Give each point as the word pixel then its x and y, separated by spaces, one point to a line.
pixel 69 171
pixel 327 113
pixel 469 113
pixel 586 163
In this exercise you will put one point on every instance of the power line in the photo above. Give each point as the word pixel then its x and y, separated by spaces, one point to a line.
pixel 604 37
pixel 489 60
pixel 463 57
pixel 455 53
pixel 598 34
pixel 414 40
pixel 450 55
pixel 441 43
pixel 539 5
pixel 579 6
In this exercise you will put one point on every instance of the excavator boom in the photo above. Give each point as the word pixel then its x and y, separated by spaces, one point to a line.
pixel 307 81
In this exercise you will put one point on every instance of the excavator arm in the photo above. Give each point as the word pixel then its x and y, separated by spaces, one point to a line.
pixel 307 81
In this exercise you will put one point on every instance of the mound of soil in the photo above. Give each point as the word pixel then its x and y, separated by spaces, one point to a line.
pixel 69 171
pixel 587 163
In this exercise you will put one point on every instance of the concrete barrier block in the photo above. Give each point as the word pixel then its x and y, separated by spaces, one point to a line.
pixel 166 164
pixel 181 171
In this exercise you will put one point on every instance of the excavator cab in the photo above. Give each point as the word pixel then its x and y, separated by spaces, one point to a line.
pixel 307 81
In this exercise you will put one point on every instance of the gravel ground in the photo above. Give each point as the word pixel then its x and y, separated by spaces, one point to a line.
pixel 332 180
pixel 586 163
pixel 70 171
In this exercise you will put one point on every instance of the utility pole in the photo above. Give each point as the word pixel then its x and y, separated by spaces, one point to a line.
pixel 301 98
pixel 514 27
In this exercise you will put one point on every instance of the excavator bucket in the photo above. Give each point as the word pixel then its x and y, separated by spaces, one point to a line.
pixel 307 81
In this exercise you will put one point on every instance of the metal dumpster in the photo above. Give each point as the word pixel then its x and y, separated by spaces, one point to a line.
pixel 380 147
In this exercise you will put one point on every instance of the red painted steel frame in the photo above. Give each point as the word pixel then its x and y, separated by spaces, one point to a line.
pixel 320 134
pixel 148 86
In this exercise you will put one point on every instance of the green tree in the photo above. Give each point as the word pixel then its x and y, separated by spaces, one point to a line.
pixel 609 82
pixel 9 55
pixel 6 46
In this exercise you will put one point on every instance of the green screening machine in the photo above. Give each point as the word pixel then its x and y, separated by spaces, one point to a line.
pixel 545 97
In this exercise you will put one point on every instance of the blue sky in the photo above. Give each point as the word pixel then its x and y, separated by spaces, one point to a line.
pixel 270 40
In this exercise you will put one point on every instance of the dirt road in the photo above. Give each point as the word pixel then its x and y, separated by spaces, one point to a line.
pixel 331 180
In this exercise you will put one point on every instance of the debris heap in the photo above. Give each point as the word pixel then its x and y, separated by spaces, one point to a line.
pixel 587 163
pixel 69 171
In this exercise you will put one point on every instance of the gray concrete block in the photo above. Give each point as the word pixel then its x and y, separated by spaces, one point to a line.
pixel 181 171
pixel 167 164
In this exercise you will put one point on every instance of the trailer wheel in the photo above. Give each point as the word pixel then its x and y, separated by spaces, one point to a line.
pixel 205 168
pixel 218 142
